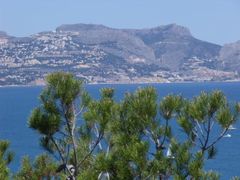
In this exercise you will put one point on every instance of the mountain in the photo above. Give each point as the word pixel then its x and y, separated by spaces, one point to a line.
pixel 173 45
pixel 99 54
pixel 229 57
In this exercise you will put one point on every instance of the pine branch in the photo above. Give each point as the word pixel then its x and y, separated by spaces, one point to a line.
pixel 71 134
pixel 208 134
pixel 164 136
pixel 221 135
pixel 58 149
pixel 93 148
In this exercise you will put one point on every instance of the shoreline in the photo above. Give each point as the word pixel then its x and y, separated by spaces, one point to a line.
pixel 125 83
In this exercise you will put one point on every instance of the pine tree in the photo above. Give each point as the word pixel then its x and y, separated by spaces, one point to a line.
pixel 56 119
pixel 135 138
pixel 43 167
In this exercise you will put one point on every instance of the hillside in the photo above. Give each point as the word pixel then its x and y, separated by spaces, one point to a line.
pixel 99 54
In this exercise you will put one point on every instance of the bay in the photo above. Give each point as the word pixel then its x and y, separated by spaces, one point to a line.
pixel 16 104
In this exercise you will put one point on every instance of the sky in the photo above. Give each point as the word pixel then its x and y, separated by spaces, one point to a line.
pixel 216 21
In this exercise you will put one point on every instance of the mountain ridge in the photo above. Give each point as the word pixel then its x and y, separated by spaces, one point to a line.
pixel 97 53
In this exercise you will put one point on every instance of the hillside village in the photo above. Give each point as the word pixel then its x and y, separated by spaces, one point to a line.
pixel 27 60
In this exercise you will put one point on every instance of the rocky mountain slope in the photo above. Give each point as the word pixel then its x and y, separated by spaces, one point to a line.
pixel 229 57
pixel 99 54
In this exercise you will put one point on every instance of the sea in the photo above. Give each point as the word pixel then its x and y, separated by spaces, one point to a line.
pixel 16 104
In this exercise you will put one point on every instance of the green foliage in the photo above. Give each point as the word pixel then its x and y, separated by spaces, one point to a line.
pixel 42 168
pixel 186 163
pixel 225 117
pixel 170 105
pixel 204 113
pixel 62 86
pixel 211 175
pixel 62 102
pixel 47 123
pixel 5 158
pixel 130 139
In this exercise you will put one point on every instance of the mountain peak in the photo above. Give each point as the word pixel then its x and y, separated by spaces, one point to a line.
pixel 173 29
pixel 3 34
pixel 80 27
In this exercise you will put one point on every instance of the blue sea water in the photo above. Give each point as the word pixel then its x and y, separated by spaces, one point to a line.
pixel 16 104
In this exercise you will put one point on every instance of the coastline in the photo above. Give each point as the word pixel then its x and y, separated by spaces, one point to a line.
pixel 124 83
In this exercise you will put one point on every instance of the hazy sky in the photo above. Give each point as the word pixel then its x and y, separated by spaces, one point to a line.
pixel 216 21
